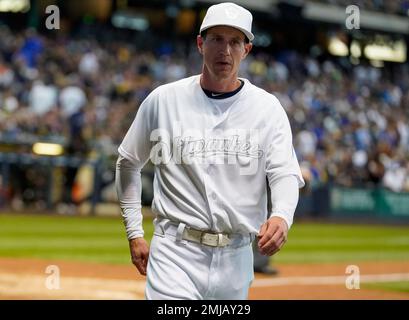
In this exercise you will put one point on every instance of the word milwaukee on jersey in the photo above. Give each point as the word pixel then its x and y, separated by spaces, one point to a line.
pixel 226 147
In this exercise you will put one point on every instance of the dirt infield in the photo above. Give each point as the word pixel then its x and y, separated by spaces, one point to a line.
pixel 27 278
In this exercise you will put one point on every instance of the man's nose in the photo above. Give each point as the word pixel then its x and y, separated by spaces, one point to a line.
pixel 225 48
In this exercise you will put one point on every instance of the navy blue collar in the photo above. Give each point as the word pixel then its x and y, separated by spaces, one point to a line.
pixel 222 95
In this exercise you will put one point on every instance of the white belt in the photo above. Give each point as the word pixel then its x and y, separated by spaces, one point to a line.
pixel 183 232
pixel 207 238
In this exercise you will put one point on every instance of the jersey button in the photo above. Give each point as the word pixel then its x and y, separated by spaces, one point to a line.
pixel 214 196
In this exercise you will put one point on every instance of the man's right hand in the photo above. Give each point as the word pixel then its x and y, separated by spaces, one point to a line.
pixel 140 254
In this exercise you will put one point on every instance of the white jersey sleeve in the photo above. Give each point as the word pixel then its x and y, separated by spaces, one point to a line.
pixel 282 169
pixel 136 145
pixel 281 159
pixel 134 152
pixel 284 198
pixel 129 189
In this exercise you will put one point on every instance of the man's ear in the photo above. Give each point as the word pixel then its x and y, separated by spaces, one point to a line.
pixel 199 43
pixel 247 49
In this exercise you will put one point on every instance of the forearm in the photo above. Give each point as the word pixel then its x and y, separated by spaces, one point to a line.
pixel 129 188
pixel 284 198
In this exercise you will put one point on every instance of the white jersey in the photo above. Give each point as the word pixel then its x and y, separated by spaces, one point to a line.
pixel 212 156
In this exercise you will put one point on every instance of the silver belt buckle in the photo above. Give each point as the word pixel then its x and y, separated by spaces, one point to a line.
pixel 214 239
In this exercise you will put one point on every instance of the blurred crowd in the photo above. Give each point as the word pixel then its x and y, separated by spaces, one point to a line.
pixel 350 122
pixel 400 7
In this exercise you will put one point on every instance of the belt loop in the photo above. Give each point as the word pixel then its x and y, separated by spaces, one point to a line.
pixel 219 239
pixel 179 232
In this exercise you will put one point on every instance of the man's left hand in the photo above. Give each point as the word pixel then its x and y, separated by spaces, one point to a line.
pixel 272 236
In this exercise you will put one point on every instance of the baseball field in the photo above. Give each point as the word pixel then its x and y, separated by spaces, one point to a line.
pixel 91 256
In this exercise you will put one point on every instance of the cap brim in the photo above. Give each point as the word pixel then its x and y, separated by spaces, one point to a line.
pixel 249 35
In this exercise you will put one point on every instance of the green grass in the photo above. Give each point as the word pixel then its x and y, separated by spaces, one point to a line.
pixel 100 239
pixel 402 286
pixel 94 239
pixel 344 243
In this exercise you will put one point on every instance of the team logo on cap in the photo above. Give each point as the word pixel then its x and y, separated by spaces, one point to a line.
pixel 232 13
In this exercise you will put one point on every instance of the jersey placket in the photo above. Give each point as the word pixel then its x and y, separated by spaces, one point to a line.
pixel 217 119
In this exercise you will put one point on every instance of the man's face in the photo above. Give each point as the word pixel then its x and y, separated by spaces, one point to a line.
pixel 223 48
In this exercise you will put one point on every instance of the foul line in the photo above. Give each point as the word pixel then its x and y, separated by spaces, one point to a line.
pixel 98 288
pixel 328 280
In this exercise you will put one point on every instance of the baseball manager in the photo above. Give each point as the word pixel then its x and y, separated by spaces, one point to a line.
pixel 213 138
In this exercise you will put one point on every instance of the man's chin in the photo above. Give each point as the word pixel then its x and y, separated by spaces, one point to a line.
pixel 223 74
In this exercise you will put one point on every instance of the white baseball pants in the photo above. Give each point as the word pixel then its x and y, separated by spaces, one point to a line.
pixel 184 270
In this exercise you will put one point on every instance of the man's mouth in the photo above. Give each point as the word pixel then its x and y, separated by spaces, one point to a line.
pixel 222 63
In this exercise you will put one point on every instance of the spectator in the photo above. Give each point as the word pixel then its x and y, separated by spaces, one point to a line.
pixel 345 119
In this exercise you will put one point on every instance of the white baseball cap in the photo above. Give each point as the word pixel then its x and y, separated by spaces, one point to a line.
pixel 228 14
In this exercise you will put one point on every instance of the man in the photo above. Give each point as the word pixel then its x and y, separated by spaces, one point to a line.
pixel 214 138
